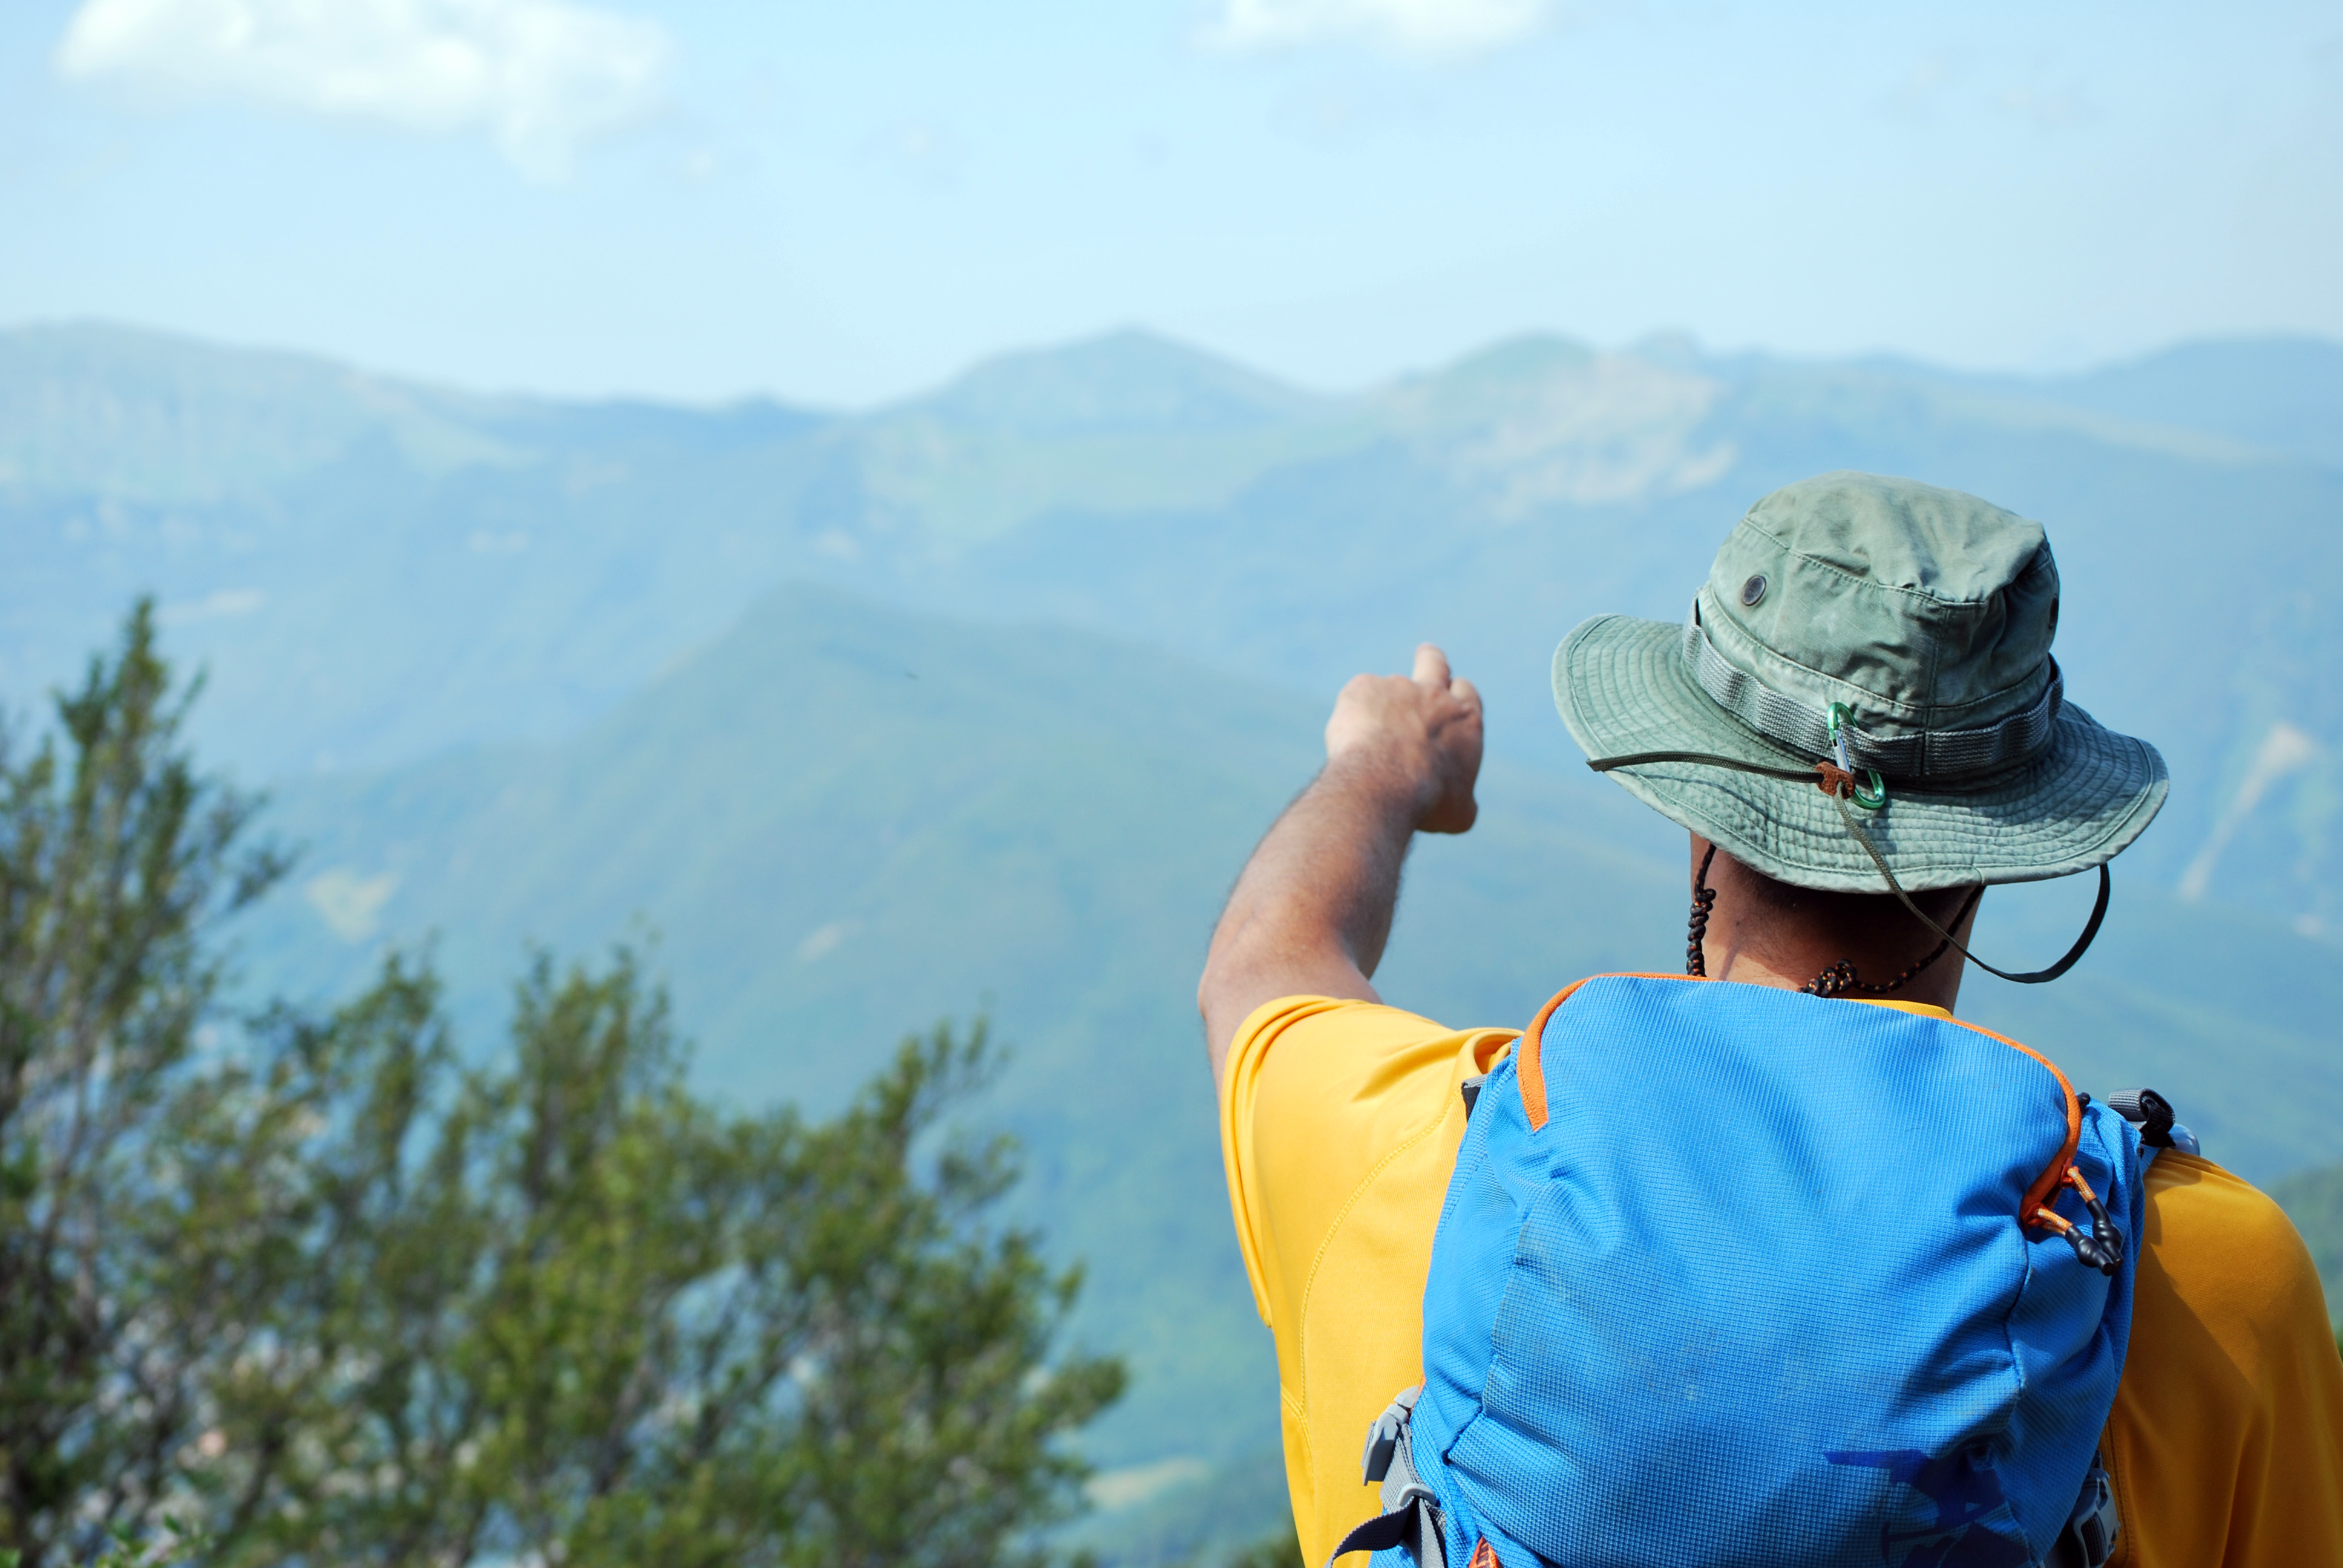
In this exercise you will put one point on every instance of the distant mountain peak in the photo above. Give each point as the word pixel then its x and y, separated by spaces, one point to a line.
pixel 2281 393
pixel 1540 420
pixel 1677 349
pixel 127 411
pixel 1128 380
pixel 1527 356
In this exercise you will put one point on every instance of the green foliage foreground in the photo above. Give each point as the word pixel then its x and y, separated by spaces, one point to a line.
pixel 322 1292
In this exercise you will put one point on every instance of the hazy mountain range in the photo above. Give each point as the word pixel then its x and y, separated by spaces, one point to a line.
pixel 977 701
pixel 375 570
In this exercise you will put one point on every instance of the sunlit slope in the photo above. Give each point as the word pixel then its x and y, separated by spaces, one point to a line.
pixel 846 821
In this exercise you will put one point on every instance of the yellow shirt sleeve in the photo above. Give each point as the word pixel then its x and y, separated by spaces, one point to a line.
pixel 2226 1443
pixel 1340 1122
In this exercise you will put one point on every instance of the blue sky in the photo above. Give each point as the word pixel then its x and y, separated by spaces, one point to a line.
pixel 841 204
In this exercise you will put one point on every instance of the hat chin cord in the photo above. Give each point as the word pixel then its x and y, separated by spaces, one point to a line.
pixel 1838 783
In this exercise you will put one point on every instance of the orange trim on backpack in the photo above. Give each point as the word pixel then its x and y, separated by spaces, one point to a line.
pixel 1484 1555
pixel 2034 1209
pixel 1528 1070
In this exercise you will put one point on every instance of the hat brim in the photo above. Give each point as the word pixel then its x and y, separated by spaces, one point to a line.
pixel 1623 687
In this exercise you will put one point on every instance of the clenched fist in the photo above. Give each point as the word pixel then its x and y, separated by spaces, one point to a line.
pixel 1419 734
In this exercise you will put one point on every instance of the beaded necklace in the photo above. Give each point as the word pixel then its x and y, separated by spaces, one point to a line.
pixel 1840 979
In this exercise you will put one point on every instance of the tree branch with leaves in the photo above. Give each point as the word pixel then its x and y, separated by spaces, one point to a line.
pixel 337 1294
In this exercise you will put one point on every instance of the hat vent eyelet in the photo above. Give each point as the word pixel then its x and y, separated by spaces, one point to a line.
pixel 1753 591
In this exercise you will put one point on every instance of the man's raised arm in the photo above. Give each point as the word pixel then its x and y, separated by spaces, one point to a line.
pixel 1314 908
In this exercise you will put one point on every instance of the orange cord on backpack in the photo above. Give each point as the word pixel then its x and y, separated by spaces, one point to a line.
pixel 2102 1246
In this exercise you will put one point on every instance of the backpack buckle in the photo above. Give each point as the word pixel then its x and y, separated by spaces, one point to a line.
pixel 2087 1540
pixel 2154 1117
pixel 1412 1515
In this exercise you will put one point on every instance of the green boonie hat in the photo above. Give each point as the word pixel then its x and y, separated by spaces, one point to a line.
pixel 1928 615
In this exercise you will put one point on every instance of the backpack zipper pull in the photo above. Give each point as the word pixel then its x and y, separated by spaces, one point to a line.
pixel 2102 1246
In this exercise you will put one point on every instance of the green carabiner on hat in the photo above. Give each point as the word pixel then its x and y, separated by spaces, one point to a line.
pixel 1840 716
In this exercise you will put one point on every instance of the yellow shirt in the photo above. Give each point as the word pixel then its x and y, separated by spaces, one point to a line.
pixel 1340 1122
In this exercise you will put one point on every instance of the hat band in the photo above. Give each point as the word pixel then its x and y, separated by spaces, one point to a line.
pixel 1804 728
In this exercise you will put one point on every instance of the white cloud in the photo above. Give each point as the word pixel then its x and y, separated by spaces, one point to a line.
pixel 824 941
pixel 349 904
pixel 226 602
pixel 1422 27
pixel 538 75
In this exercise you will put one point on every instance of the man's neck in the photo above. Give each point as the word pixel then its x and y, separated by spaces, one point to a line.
pixel 1750 941
pixel 1939 985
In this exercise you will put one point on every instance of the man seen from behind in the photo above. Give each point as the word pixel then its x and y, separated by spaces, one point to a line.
pixel 1771 1259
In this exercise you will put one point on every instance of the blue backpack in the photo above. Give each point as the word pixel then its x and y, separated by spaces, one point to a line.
pixel 1728 1274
